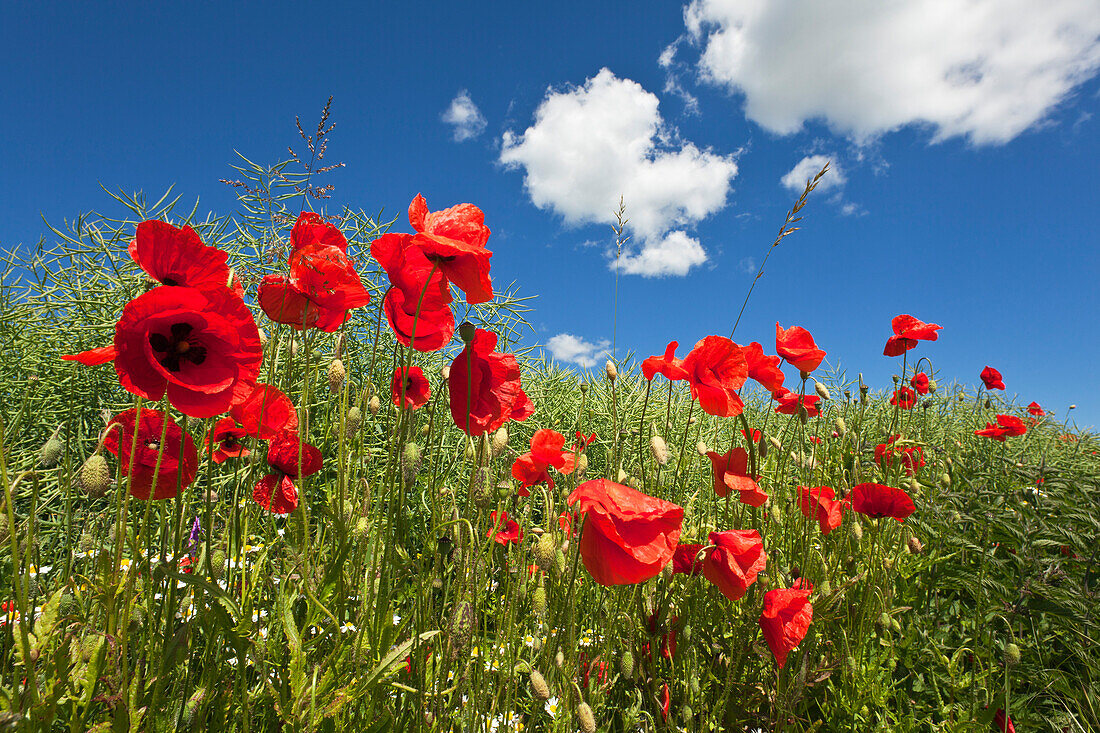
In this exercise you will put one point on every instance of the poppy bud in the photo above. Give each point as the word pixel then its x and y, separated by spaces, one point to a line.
pixel 482 490
pixel 803 414
pixel 425 430
pixel 775 442
pixel 352 422
pixel 1073 407
pixel 538 602
pixel 263 338
pixel 610 370
pixel 774 513
pixel 804 375
pixel 410 462
pixel 988 403
pixel 582 464
pixel 658 449
pixel 559 560
pixel 914 486
pixel 692 420
pixel 217 566
pixel 626 665
pixel 539 688
pixel 95 476
pixel 585 718
pixel 914 545
pixel 621 477
pixel 701 448
pixel 822 390
pixel 467 331
pixel 294 347
pixel 584 387
pixel 945 480
pixel 445 372
pixel 336 375
pixel 51 452
pixel 841 427
pixel 857 531
pixel 500 441
pixel 1012 654
pixel 546 551
pixel 687 713
pixel 374 406
pixel 559 659
pixel 762 446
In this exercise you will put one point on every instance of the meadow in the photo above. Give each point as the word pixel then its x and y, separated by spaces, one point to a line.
pixel 296 475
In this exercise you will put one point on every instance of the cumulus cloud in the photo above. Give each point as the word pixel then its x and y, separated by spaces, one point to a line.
pixel 566 347
pixel 591 145
pixel 810 166
pixel 465 117
pixel 984 70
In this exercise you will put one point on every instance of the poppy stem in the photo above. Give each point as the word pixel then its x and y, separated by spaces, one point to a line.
pixel 641 433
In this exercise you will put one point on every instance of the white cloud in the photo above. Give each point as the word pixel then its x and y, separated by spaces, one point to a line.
pixel 810 166
pixel 569 348
pixel 466 118
pixel 593 144
pixel 985 70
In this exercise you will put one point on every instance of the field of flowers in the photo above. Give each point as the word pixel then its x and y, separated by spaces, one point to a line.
pixel 286 471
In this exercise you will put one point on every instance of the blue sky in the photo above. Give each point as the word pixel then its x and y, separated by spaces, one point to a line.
pixel 966 142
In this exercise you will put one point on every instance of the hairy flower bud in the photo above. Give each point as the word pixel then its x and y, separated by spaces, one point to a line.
pixel 945 480
pixel 546 551
pixel 610 370
pixel 352 422
pixel 626 665
pixel 500 441
pixel 841 426
pixel 336 375
pixel 585 719
pixel 539 688
pixel 822 390
pixel 95 476
pixel 658 448
pixel 1012 654
pixel 538 601
pixel 701 448
pixel 51 452
pixel 410 462
pixel 857 531
pixel 582 464
pixel 374 406
pixel 915 546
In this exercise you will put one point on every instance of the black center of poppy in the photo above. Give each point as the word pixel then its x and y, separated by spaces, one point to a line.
pixel 170 281
pixel 229 442
pixel 178 344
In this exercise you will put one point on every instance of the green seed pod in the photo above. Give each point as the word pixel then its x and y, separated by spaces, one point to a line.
pixel 774 513
pixel 539 688
pixel 582 464
pixel 51 452
pixel 336 375
pixel 538 601
pixel 1012 654
pixel 467 331
pixel 626 665
pixel 505 490
pixel 585 719
pixel 840 426
pixel 352 422
pixel 857 531
pixel 410 462
pixel 546 551
pixel 95 476
pixel 217 565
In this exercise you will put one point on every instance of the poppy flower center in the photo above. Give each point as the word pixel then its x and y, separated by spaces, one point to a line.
pixel 170 281
pixel 179 344
pixel 152 445
pixel 229 442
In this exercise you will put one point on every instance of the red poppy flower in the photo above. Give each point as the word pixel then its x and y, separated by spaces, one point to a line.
pixel 1003 723
pixel 668 634
pixel 797 346
pixel 787 616
pixel 196 345
pixel 583 442
pixel 455 239
pixel 504 530
pixel 789 403
pixel 174 256
pixel 565 521
pixel 907 331
pixel 919 382
pixel 628 537
pixel 666 702
pixel 764 369
pixel 416 388
pixel 292 458
pixel 312 228
pixel 877 500
pixel 668 365
pixel 174 474
pixel 716 370
pixel 820 503
pixel 731 471
pixel 93 357
pixel 735 561
pixel 992 379
pixel 419 296
pixel 1036 410
pixel 322 287
pixel 226 437
pixel 992 431
pixel 912 457
pixel 753 437
pixel 534 466
pixel 263 411
pixel 685 561
pixel 1012 425
pixel 904 398
pixel 487 392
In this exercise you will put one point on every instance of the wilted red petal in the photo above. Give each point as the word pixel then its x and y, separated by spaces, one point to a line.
pixel 93 357
pixel 737 558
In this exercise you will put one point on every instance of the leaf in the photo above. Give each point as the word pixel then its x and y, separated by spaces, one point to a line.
pixel 391 661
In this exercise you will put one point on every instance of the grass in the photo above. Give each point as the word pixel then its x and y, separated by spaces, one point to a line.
pixel 381 604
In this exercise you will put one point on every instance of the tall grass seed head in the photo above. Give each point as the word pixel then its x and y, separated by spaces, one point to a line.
pixel 95 476
pixel 658 448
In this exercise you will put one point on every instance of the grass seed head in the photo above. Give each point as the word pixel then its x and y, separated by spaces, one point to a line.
pixel 95 476
pixel 336 375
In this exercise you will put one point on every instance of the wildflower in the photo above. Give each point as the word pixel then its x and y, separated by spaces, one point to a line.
pixel 791 403
pixel 628 536
pixel 911 457
pixel 454 239
pixel 919 382
pixel 195 345
pixel 819 503
pixel 1003 723
pixel 552 707
pixel 685 559
pixel 716 370
pixel 668 365
pixel 787 616
pixel 907 331
pixel 277 491
pixel 226 438
pixel 409 388
pixel 504 530
pixel 177 257
pixel 534 466
pixel 1036 410
pixel 797 346
pixel 263 411
pixel 151 457
pixel 992 379
pixel 487 392
pixel 762 368
pixel 878 500
pixel 311 228
pixel 730 471
pixel 734 562
pixel 904 398
pixel 419 298
pixel 1007 426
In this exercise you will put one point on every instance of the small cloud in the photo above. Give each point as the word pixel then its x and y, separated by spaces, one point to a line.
pixel 849 208
pixel 1081 120
pixel 747 265
pixel 466 118
pixel 810 166
pixel 566 347
pixel 675 254
pixel 669 54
